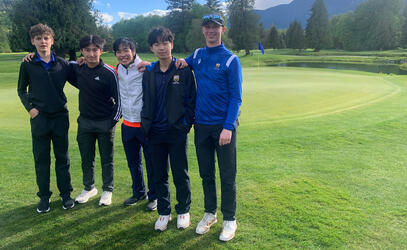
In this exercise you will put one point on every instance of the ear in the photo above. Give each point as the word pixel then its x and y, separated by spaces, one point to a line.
pixel 151 48
pixel 52 41
pixel 32 41
pixel 223 29
pixel 172 45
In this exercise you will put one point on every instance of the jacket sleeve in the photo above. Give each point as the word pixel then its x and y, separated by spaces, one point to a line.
pixel 190 60
pixel 23 82
pixel 115 92
pixel 72 73
pixel 190 93
pixel 235 93
pixel 143 113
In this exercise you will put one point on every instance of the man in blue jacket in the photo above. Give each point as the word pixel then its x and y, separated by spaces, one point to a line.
pixel 219 95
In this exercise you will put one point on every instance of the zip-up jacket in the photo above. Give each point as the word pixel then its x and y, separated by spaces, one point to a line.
pixel 99 97
pixel 131 90
pixel 219 86
pixel 180 99
pixel 45 87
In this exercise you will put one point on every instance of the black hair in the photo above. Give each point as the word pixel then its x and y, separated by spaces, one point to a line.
pixel 91 39
pixel 160 34
pixel 125 41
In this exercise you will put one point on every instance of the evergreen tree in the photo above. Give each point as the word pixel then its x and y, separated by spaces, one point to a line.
pixel 213 5
pixel 70 20
pixel 273 38
pixel 179 21
pixel 377 24
pixel 295 36
pixel 5 6
pixel 243 25
pixel 317 30
pixel 404 30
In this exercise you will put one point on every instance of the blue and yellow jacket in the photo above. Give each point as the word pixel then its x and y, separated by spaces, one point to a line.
pixel 219 86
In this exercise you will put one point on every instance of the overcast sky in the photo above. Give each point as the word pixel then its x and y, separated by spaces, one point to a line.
pixel 114 10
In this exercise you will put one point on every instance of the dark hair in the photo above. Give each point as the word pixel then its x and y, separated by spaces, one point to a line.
pixel 40 29
pixel 160 34
pixel 91 39
pixel 125 41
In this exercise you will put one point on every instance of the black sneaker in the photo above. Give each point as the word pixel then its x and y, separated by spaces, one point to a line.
pixel 67 203
pixel 151 205
pixel 43 205
pixel 133 200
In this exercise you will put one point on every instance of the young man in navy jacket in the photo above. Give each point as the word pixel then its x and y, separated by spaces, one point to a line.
pixel 219 95
pixel 167 115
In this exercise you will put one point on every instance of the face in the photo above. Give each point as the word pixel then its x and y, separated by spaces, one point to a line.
pixel 213 34
pixel 162 50
pixel 43 43
pixel 125 55
pixel 92 55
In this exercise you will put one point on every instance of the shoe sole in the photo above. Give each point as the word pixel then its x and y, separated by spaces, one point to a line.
pixel 43 212
pixel 68 207
pixel 104 204
pixel 209 227
pixel 151 209
pixel 224 239
pixel 183 228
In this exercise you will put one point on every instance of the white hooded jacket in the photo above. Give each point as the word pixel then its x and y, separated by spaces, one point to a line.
pixel 131 90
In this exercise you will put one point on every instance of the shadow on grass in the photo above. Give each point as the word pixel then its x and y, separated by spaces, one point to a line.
pixel 91 226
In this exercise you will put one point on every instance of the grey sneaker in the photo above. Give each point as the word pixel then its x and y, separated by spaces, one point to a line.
pixel 152 205
pixel 133 200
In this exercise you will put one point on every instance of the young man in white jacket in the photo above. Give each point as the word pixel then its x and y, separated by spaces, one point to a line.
pixel 131 94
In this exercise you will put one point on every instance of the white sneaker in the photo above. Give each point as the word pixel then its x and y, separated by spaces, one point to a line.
pixel 183 221
pixel 205 224
pixel 228 230
pixel 162 222
pixel 86 195
pixel 106 198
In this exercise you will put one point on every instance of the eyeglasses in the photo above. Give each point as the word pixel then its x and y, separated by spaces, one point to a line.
pixel 211 17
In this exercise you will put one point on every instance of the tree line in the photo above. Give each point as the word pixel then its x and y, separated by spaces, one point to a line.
pixel 373 25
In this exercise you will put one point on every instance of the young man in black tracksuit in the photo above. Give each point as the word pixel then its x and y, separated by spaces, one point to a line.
pixel 166 118
pixel 99 107
pixel 45 101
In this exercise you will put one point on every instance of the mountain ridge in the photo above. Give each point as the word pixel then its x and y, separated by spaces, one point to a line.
pixel 282 15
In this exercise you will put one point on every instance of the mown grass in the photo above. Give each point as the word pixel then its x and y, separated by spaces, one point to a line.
pixel 322 163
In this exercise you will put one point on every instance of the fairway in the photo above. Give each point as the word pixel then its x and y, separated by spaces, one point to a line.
pixel 322 163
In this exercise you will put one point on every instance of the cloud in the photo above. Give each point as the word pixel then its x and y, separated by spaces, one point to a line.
pixel 128 15
pixel 108 4
pixel 265 4
pixel 106 17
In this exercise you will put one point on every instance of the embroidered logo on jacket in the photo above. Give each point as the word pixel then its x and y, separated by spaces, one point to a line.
pixel 218 65
pixel 175 79
pixel 97 78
